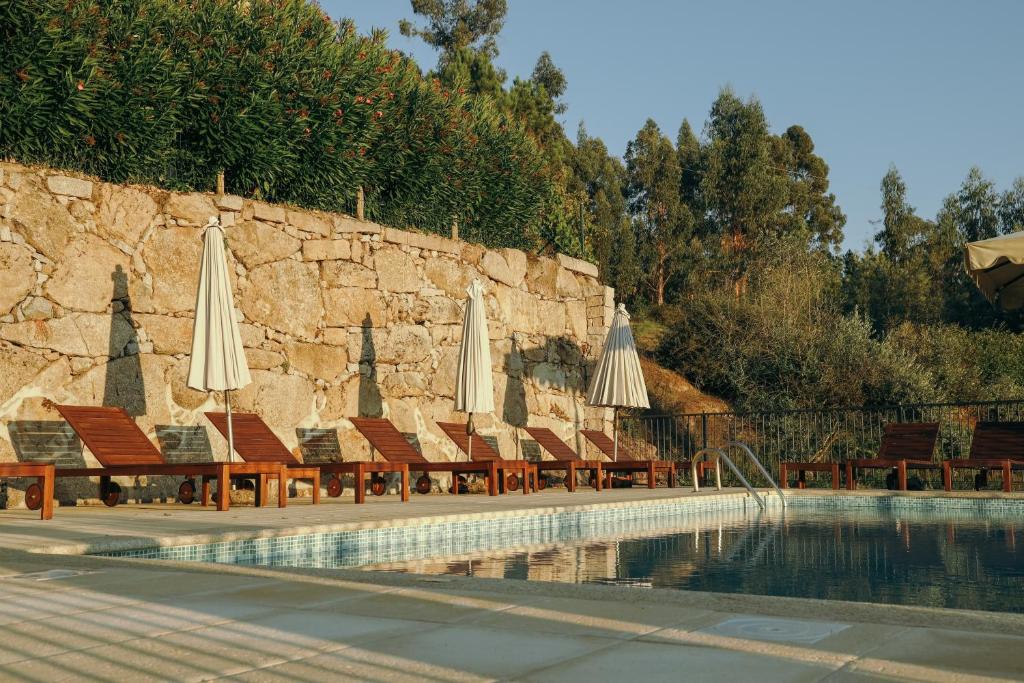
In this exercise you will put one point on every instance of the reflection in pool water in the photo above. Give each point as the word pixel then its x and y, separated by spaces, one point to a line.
pixel 855 555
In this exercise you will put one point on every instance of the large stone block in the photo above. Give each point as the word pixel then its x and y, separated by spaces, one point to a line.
pixel 517 263
pixel 353 306
pixel 169 335
pixel 72 187
pixel 124 213
pixel 404 384
pixel 343 400
pixel 396 270
pixel 191 208
pixel 262 359
pixel 43 221
pixel 283 401
pixel 77 334
pixel 19 367
pixel 268 212
pixel 136 383
pixel 576 314
pixel 496 267
pixel 578 265
pixel 89 275
pixel 285 296
pixel 442 380
pixel 181 394
pixel 17 276
pixel 567 285
pixel 394 345
pixel 309 222
pixel 326 250
pixel 255 243
pixel 318 361
pixel 451 276
pixel 172 256
pixel 542 277
pixel 438 310
pixel 347 274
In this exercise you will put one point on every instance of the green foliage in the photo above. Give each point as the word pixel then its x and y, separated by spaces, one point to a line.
pixel 293 107
pixel 453 25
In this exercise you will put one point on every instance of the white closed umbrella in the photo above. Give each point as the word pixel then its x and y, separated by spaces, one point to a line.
pixel 218 360
pixel 474 387
pixel 618 380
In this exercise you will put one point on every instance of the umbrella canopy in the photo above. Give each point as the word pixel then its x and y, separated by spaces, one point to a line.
pixel 997 266
pixel 474 388
pixel 218 360
pixel 618 380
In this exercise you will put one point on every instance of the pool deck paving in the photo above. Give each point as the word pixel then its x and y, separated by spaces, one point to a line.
pixel 65 616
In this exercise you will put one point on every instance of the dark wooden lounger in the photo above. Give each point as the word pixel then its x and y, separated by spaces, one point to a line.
pixel 997 446
pixel 123 450
pixel 482 452
pixel 255 440
pixel 905 446
pixel 801 468
pixel 385 439
pixel 626 462
pixel 39 495
pixel 565 458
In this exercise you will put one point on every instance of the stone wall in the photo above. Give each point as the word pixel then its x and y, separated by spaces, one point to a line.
pixel 339 317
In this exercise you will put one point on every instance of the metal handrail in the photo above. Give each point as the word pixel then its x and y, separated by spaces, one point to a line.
pixel 760 467
pixel 722 455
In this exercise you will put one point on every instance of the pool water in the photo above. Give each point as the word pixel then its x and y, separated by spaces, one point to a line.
pixel 859 555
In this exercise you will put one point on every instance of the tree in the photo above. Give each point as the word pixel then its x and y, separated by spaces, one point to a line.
pixel 812 209
pixel 549 77
pixel 653 199
pixel 742 188
pixel 602 178
pixel 454 25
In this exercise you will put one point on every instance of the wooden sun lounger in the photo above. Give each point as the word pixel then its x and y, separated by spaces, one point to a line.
pixel 123 450
pixel 565 458
pixel 802 468
pixel 254 440
pixel 39 495
pixel 997 446
pixel 385 439
pixel 483 453
pixel 626 462
pixel 905 446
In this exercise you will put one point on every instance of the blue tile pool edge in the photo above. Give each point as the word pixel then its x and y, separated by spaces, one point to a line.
pixel 414 539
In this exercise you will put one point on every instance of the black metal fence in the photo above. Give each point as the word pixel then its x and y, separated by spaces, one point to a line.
pixel 832 435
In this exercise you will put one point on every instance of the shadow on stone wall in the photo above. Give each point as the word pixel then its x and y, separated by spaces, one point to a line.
pixel 124 386
pixel 371 404
pixel 49 441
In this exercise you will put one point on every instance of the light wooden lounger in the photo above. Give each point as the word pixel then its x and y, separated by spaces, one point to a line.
pixel 482 452
pixel 907 445
pixel 565 458
pixel 628 463
pixel 123 450
pixel 38 495
pixel 254 440
pixel 997 446
pixel 385 439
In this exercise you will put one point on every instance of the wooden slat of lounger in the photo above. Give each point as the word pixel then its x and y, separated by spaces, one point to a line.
pixel 558 449
pixel 909 441
pixel 605 444
pixel 998 441
pixel 482 451
pixel 387 440
pixel 254 440
pixel 111 435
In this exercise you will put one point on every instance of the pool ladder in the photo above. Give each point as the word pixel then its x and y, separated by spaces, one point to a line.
pixel 720 454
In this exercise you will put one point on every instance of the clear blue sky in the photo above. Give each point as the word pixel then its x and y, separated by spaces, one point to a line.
pixel 931 86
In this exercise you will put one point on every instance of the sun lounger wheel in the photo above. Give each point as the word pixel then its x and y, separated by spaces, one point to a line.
pixel 187 492
pixel 512 482
pixel 592 481
pixel 378 486
pixel 334 486
pixel 423 484
pixel 33 497
pixel 111 494
pixel 542 483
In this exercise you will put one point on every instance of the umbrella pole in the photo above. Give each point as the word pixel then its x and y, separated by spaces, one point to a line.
pixel 615 431
pixel 470 429
pixel 231 431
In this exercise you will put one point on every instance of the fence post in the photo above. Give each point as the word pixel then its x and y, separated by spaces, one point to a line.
pixel 220 183
pixel 455 228
pixel 360 204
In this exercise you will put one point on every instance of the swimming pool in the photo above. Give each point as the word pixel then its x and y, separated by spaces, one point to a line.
pixel 966 554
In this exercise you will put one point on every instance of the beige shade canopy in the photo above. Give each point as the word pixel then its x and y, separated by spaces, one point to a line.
pixel 474 387
pixel 618 381
pixel 997 266
pixel 218 360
